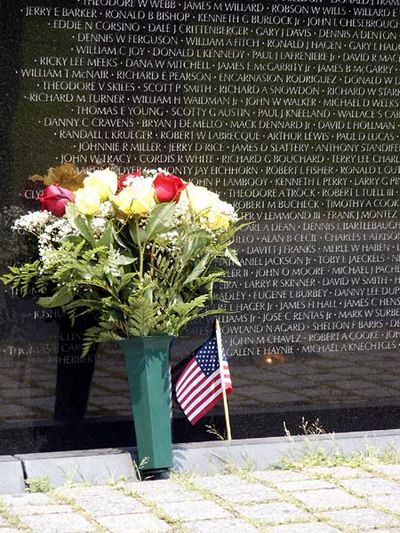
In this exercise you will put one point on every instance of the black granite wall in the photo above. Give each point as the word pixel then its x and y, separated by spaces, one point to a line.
pixel 290 110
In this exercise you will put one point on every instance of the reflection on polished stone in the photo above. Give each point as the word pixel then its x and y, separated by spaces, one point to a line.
pixel 28 384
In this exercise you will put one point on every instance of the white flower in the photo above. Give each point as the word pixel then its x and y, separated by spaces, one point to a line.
pixel 103 179
pixel 137 198
pixel 98 226
pixel 53 233
pixel 199 198
pixel 171 237
pixel 106 209
pixel 34 223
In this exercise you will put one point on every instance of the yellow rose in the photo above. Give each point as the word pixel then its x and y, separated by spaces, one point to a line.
pixel 217 220
pixel 87 200
pixel 137 199
pixel 105 181
pixel 200 198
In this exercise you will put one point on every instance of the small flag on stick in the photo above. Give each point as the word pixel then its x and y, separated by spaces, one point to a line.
pixel 204 380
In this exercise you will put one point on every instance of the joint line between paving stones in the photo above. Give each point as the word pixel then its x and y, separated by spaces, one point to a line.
pixel 188 483
pixel 63 499
pixel 315 514
pixel 378 473
pixel 154 508
pixel 370 503
pixel 12 518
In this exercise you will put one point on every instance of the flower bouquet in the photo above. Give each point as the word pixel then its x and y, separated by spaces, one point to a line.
pixel 137 256
pixel 139 253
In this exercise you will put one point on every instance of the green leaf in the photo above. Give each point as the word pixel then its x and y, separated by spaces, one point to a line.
pixel 79 222
pixel 84 228
pixel 62 297
pixel 231 254
pixel 125 260
pixel 198 269
pixel 74 239
pixel 141 317
pixel 107 237
pixel 118 238
pixel 195 243
pixel 160 220
pixel 134 231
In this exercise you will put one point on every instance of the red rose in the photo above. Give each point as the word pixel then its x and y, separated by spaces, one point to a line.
pixel 54 199
pixel 126 179
pixel 168 187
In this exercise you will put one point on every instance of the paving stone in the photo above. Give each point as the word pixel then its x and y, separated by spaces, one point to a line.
pixel 391 530
pixel 103 501
pixel 373 485
pixel 390 470
pixel 326 499
pixel 163 491
pixel 391 502
pixel 361 518
pixel 195 510
pixel 307 484
pixel 58 523
pixel 233 489
pixel 278 476
pixel 27 500
pixel 233 526
pixel 45 509
pixel 309 527
pixel 340 472
pixel 274 512
pixel 140 522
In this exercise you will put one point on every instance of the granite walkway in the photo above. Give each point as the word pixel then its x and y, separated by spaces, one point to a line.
pixel 313 500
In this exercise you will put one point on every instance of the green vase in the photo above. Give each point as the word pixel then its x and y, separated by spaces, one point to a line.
pixel 147 364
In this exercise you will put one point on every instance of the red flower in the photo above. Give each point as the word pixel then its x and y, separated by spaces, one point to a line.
pixel 54 199
pixel 125 180
pixel 168 187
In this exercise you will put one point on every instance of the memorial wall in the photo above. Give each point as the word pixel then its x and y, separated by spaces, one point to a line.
pixel 290 110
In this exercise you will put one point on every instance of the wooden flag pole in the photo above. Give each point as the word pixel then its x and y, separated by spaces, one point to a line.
pixel 221 370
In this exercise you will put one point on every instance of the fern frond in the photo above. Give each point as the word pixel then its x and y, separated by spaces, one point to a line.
pixel 22 277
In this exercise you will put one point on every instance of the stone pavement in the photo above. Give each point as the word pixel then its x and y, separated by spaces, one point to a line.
pixel 312 500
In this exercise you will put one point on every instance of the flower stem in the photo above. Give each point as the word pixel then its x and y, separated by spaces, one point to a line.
pixel 152 257
pixel 140 249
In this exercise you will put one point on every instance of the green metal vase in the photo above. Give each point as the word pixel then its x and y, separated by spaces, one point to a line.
pixel 147 364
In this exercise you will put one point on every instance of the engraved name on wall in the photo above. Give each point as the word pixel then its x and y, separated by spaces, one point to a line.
pixel 290 110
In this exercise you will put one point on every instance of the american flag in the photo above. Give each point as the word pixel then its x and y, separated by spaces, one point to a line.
pixel 199 387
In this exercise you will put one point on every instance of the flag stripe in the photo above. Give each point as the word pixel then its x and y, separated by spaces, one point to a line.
pixel 206 409
pixel 197 394
pixel 190 393
pixel 205 399
pixel 193 417
pixel 207 388
pixel 200 385
pixel 192 389
pixel 190 379
pixel 186 374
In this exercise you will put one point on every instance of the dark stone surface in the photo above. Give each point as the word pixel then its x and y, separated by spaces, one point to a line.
pixel 289 111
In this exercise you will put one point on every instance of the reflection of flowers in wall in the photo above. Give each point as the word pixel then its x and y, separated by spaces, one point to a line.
pixel 12 247
pixel 12 316
pixel 140 253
